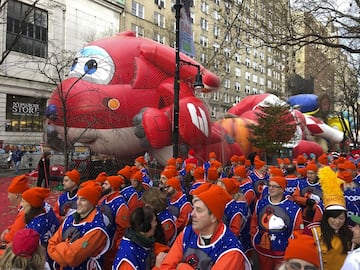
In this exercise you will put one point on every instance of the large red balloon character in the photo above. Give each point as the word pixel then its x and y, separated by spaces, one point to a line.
pixel 118 100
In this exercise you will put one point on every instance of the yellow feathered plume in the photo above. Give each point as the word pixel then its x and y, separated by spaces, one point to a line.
pixel 333 194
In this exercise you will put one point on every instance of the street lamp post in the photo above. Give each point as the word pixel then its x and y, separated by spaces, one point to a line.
pixel 198 84
pixel 175 138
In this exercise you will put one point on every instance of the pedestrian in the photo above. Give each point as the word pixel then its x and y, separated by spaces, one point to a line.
pixel 25 252
pixel 352 261
pixel 332 236
pixel 301 253
pixel 17 157
pixel 136 246
pixel 82 238
pixel 44 170
pixel 18 186
pixel 66 203
pixel 274 220
pixel 10 159
pixel 207 243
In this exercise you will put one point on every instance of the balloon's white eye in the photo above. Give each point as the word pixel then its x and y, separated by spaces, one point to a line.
pixel 93 64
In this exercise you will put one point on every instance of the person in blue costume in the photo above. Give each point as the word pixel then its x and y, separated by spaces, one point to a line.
pixel 207 243
pixel 82 239
pixel 137 245
pixel 39 215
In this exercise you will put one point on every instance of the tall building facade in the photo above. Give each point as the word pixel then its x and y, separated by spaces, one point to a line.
pixel 34 36
pixel 314 65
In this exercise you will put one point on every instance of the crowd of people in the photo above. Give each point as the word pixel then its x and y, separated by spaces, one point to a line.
pixel 297 214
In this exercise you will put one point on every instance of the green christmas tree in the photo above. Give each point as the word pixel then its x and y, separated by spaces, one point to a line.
pixel 276 126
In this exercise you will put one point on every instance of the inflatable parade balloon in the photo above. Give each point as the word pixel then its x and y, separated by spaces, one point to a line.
pixel 307 103
pixel 338 123
pixel 119 99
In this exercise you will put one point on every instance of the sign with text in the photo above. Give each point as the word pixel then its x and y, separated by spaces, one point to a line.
pixel 186 33
pixel 24 106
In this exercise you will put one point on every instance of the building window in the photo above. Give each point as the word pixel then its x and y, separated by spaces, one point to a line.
pixel 261 81
pixel 238 58
pixel 227 83
pixel 159 38
pixel 255 66
pixel 237 72
pixel 204 24
pixel 205 7
pixel 213 111
pixel 216 31
pixel 255 78
pixel 262 57
pixel 261 68
pixel 255 53
pixel 228 38
pixel 204 42
pixel 247 89
pixel 216 15
pixel 138 30
pixel 160 3
pixel 237 99
pixel 30 25
pixel 137 9
pixel 226 98
pixel 247 76
pixel 24 114
pixel 216 96
pixel 203 58
pixel 237 87
pixel 227 52
pixel 216 64
pixel 159 19
pixel 255 91
pixel 227 67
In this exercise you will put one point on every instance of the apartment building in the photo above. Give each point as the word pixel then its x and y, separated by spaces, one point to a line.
pixel 317 65
pixel 244 65
pixel 33 33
